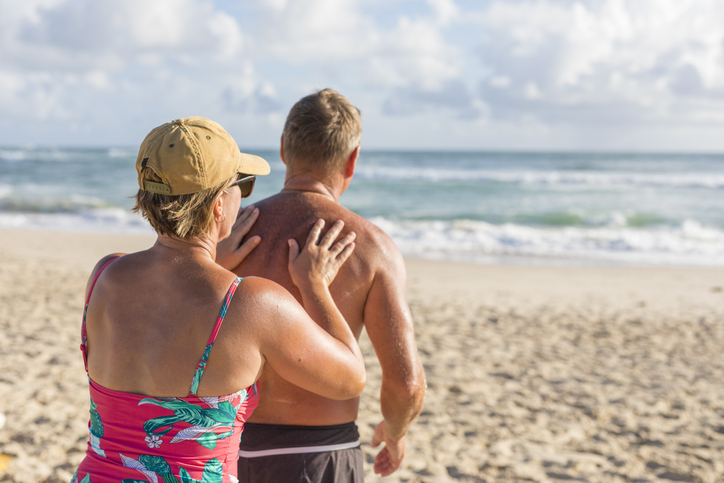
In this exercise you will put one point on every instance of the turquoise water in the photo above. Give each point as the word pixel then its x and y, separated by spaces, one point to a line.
pixel 479 206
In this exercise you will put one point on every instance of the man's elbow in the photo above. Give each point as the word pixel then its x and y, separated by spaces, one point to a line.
pixel 410 392
pixel 416 394
pixel 359 384
pixel 351 387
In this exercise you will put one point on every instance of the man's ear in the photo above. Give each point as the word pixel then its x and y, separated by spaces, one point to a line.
pixel 351 163
pixel 281 149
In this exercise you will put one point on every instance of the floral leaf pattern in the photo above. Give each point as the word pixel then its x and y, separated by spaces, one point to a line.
pixel 212 401
pixel 200 368
pixel 95 443
pixel 192 432
pixel 137 465
pixel 96 429
pixel 156 464
pixel 96 425
pixel 86 478
pixel 185 477
pixel 213 472
pixel 204 421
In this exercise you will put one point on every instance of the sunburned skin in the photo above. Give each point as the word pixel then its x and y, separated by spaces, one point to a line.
pixel 369 291
pixel 289 215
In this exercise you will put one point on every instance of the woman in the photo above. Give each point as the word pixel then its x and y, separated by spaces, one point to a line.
pixel 173 343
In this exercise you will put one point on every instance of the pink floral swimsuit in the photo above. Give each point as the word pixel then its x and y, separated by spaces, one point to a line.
pixel 137 439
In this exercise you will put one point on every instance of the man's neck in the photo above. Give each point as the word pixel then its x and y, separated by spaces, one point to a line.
pixel 329 187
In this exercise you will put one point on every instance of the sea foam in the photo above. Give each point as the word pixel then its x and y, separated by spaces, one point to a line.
pixel 687 244
pixel 597 180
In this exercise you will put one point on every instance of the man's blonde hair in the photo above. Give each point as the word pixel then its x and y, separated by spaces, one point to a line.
pixel 181 216
pixel 321 131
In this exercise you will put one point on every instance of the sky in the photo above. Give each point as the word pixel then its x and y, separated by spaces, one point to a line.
pixel 603 75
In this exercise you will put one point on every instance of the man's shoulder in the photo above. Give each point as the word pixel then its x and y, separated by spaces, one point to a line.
pixel 296 214
pixel 369 236
pixel 312 208
pixel 356 222
pixel 373 245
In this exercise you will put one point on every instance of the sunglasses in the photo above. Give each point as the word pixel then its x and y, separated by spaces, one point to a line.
pixel 245 184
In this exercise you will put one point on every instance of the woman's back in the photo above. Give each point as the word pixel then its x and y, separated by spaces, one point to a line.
pixel 139 436
pixel 149 319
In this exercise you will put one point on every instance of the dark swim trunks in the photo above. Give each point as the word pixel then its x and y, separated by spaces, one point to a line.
pixel 311 454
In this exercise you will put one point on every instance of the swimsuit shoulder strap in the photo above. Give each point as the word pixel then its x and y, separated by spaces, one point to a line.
pixel 83 333
pixel 214 332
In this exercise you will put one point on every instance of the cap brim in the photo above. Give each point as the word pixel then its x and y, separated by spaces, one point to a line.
pixel 251 164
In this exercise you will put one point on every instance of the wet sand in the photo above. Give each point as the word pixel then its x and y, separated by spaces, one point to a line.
pixel 535 373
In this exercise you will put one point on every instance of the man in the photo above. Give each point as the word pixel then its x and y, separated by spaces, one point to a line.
pixel 295 435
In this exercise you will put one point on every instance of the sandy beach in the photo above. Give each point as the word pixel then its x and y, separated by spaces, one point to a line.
pixel 535 373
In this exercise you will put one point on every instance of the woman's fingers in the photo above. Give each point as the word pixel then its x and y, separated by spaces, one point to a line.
pixel 230 252
pixel 293 251
pixel 314 233
pixel 332 234
pixel 247 219
pixel 242 213
pixel 342 257
pixel 242 226
pixel 341 244
pixel 319 260
pixel 246 248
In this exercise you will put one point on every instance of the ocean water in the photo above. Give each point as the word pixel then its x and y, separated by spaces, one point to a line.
pixel 488 207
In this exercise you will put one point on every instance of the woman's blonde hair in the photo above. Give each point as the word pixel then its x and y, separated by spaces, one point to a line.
pixel 182 216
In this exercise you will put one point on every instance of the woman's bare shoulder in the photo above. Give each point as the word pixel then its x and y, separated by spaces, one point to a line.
pixel 262 291
pixel 259 301
pixel 99 266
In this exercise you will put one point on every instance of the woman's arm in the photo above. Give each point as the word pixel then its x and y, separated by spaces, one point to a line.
pixel 315 349
pixel 313 271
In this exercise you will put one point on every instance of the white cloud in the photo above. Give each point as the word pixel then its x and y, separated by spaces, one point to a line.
pixel 408 60
pixel 27 10
pixel 340 37
pixel 100 49
pixel 445 11
pixel 59 57
pixel 499 81
pixel 415 53
pixel 83 33
pixel 563 66
pixel 531 91
pixel 648 61
pixel 246 92
pixel 311 30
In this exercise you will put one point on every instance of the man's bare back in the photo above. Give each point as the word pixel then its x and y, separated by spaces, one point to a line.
pixel 290 214
pixel 320 147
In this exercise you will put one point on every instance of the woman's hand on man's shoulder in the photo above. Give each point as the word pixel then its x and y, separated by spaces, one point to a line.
pixel 230 252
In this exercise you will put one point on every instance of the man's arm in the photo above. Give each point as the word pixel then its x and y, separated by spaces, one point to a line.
pixel 389 326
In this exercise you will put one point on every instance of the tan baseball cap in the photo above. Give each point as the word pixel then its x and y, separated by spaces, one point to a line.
pixel 191 155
